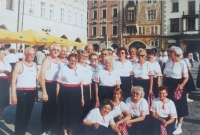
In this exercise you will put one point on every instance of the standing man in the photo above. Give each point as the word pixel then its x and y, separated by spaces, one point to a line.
pixel 89 49
pixel 49 72
pixel 12 58
pixel 24 74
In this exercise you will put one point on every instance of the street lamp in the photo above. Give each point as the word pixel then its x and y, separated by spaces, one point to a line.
pixel 47 30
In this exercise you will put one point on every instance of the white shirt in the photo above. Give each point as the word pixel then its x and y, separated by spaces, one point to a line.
pixel 5 66
pixel 105 78
pixel 69 76
pixel 94 71
pixel 164 110
pixel 176 69
pixel 187 62
pixel 125 69
pixel 164 59
pixel 138 109
pixel 94 116
pixel 20 55
pixel 119 109
pixel 86 73
pixel 11 58
pixel 156 69
pixel 62 63
pixel 142 71
pixel 134 62
pixel 103 66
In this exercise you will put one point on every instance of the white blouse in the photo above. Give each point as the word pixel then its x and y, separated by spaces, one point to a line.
pixel 142 71
pixel 156 69
pixel 164 110
pixel 94 116
pixel 105 78
pixel 86 73
pixel 119 109
pixel 125 69
pixel 187 62
pixel 138 109
pixel 95 70
pixel 176 69
pixel 69 76
pixel 5 66
pixel 164 59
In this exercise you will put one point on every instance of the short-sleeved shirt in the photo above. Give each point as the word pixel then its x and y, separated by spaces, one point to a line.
pixel 164 59
pixel 20 55
pixel 187 62
pixel 164 110
pixel 95 70
pixel 40 57
pixel 156 69
pixel 4 66
pixel 137 109
pixel 69 76
pixel 12 58
pixel 125 69
pixel 94 116
pixel 134 62
pixel 142 71
pixel 119 109
pixel 105 78
pixel 86 73
pixel 176 69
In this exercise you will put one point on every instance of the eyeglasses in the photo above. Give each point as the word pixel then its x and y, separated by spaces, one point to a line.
pixel 104 54
pixel 56 50
pixel 93 59
pixel 135 93
pixel 140 55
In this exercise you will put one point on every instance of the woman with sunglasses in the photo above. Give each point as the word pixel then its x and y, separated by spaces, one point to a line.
pixel 143 73
pixel 132 53
pixel 106 80
pixel 176 76
pixel 156 71
pixel 70 95
pixel 138 109
pixel 124 68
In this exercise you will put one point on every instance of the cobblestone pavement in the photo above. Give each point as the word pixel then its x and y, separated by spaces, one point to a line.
pixel 191 125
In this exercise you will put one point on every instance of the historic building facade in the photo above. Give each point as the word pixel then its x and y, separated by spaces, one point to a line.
pixel 141 25
pixel 61 18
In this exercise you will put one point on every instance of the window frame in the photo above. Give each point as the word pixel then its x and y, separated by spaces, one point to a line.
pixel 174 25
pixel 175 8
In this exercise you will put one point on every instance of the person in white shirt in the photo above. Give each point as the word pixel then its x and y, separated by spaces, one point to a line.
pixel 143 73
pixel 98 120
pixel 164 112
pixel 164 60
pixel 125 71
pixel 70 98
pixel 5 71
pixel 62 57
pixel 133 55
pixel 176 76
pixel 156 72
pixel 160 57
pixel 107 79
pixel 139 111
pixel 89 48
pixel 20 55
pixel 104 53
pixel 12 58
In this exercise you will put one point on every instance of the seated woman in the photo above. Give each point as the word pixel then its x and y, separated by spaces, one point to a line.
pixel 98 120
pixel 164 112
pixel 120 111
pixel 138 108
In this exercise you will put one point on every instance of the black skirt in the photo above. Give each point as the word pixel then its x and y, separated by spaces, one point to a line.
pixel 126 86
pixel 93 100
pixel 4 92
pixel 181 105
pixel 86 107
pixel 190 86
pixel 155 87
pixel 105 92
pixel 69 106
pixel 198 79
pixel 143 83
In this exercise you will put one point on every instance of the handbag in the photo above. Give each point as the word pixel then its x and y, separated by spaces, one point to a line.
pixel 178 94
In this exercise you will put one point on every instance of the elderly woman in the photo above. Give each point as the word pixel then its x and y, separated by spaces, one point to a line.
pixel 143 73
pixel 156 71
pixel 124 68
pixel 5 70
pixel 62 57
pixel 164 112
pixel 132 53
pixel 98 120
pixel 70 94
pixel 138 108
pixel 176 76
pixel 107 79
pixel 104 53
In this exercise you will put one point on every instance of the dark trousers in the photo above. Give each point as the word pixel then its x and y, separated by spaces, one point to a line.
pixel 25 103
pixel 191 62
pixel 49 108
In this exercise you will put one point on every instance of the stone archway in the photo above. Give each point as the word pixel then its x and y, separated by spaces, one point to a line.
pixel 137 45
pixel 78 40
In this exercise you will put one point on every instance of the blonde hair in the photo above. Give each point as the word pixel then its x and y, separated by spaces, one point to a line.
pixel 141 51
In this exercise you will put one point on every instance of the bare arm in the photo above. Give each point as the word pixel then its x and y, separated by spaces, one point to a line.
pixel 163 121
pixel 90 87
pixel 138 119
pixel 57 91
pixel 159 80
pixel 151 84
pixel 180 86
pixel 115 128
pixel 96 90
pixel 82 96
pixel 128 117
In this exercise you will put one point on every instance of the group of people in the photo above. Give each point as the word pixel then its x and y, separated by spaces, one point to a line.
pixel 94 94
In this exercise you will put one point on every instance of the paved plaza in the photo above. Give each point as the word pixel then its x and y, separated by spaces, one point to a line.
pixel 191 125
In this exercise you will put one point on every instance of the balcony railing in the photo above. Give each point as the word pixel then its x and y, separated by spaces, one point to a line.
pixel 190 13
pixel 93 36
pixel 130 22
pixel 103 20
pixel 115 19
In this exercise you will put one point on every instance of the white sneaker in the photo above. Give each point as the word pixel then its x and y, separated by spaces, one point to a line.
pixel 177 131
pixel 189 100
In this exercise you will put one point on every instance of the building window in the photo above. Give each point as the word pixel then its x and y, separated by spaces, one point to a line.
pixel 81 20
pixel 151 15
pixel 94 31
pixel 95 14
pixel 154 1
pixel 152 30
pixel 174 25
pixel 191 7
pixel 103 30
pixel 51 11
pixel 103 0
pixel 42 4
pixel 149 1
pixel 69 16
pixel 32 7
pixel 104 13
pixel 9 4
pixel 115 12
pixel 114 30
pixel 130 15
pixel 136 1
pixel 191 24
pixel 140 32
pixel 76 18
pixel 144 30
pixel 94 1
pixel 156 30
pixel 62 17
pixel 175 7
